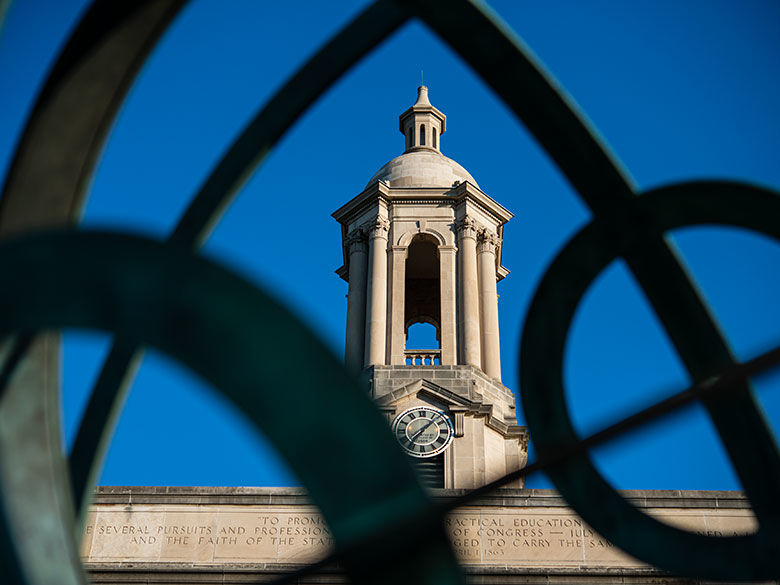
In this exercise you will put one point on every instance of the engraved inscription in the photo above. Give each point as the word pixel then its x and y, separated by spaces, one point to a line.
pixel 297 534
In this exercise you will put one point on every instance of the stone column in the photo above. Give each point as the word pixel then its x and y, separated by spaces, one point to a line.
pixel 448 330
pixel 469 325
pixel 376 306
pixel 397 333
pixel 491 353
pixel 356 301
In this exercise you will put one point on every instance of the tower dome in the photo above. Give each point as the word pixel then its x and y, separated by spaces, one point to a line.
pixel 422 164
pixel 423 168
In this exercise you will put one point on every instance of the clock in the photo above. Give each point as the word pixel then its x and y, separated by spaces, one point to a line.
pixel 423 431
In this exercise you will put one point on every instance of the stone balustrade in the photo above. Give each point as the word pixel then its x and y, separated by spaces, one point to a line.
pixel 422 357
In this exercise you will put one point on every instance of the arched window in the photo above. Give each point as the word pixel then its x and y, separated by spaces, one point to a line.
pixel 422 134
pixel 433 130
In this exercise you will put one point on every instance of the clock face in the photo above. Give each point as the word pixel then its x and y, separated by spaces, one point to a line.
pixel 423 431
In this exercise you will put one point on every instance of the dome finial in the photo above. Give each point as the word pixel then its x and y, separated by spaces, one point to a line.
pixel 422 96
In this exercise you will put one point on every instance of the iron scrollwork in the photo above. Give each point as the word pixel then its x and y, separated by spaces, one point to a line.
pixel 118 35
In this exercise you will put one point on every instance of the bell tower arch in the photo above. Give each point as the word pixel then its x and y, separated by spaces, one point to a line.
pixel 422 244
pixel 422 293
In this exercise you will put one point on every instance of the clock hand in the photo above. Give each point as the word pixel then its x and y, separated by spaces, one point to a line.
pixel 420 432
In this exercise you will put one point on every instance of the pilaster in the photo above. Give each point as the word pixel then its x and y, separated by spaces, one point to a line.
pixel 397 332
pixel 448 329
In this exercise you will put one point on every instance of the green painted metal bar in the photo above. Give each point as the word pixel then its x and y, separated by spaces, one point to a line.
pixel 506 65
pixel 20 345
pixel 166 297
pixel 743 558
pixel 4 6
pixel 353 43
pixel 120 34
pixel 99 420
pixel 44 187
pixel 564 454
pixel 242 159
pixel 720 384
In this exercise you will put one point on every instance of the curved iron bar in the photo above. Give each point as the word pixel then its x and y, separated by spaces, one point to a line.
pixel 352 43
pixel 44 187
pixel 713 387
pixel 549 109
pixel 10 565
pixel 52 164
pixel 567 453
pixel 4 5
pixel 172 299
pixel 503 63
pixel 99 420
pixel 496 55
pixel 569 141
pixel 19 347
pixel 740 558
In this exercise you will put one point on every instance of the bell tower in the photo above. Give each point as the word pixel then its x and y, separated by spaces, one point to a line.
pixel 422 244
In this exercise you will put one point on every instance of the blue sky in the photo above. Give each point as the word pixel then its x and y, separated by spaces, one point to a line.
pixel 680 91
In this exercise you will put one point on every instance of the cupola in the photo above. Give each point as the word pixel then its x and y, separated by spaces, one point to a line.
pixel 422 124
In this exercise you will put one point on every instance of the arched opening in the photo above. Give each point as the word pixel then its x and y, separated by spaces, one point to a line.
pixel 422 336
pixel 433 133
pixel 423 302
pixel 410 137
pixel 422 134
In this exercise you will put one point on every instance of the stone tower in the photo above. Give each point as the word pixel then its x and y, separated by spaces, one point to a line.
pixel 422 243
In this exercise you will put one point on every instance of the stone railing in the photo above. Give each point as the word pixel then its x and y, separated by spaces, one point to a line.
pixel 422 357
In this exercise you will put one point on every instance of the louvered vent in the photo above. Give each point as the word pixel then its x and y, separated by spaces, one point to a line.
pixel 431 471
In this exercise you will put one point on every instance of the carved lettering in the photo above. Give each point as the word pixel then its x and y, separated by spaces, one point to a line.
pixel 213 535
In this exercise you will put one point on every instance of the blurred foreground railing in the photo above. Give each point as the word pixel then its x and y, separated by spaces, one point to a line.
pixel 385 528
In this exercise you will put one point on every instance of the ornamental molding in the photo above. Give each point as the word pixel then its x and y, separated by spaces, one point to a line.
pixel 466 228
pixel 377 227
pixel 405 239
pixel 356 240
pixel 456 404
pixel 488 241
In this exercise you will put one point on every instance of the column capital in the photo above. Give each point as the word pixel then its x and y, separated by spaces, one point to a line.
pixel 466 228
pixel 487 241
pixel 356 241
pixel 378 227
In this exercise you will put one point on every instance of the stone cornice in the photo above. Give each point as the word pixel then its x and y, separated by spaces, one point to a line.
pixel 456 195
pixel 523 498
pixel 465 191
pixel 356 205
